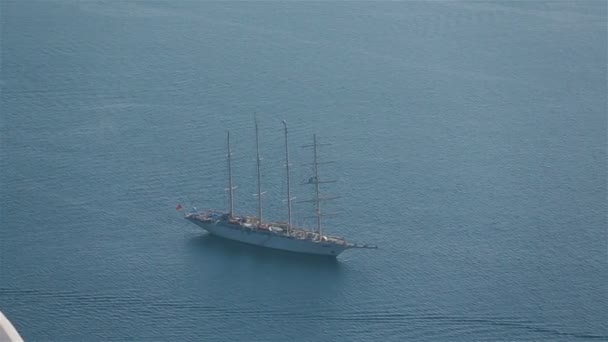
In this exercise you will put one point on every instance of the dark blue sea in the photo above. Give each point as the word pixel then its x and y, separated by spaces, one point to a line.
pixel 469 141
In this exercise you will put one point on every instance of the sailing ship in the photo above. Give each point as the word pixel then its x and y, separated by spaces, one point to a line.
pixel 277 235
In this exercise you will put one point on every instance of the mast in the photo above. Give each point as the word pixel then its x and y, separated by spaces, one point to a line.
pixel 316 181
pixel 230 187
pixel 288 188
pixel 317 201
pixel 257 149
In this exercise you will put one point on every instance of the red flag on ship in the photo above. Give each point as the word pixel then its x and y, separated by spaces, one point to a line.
pixel 179 207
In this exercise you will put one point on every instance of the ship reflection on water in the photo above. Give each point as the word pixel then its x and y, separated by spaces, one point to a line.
pixel 212 261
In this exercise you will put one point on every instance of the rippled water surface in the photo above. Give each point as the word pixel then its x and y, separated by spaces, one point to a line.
pixel 469 140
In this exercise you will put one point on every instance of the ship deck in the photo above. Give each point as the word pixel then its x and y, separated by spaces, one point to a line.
pixel 272 228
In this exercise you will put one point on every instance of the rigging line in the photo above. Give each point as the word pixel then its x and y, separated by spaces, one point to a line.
pixel 257 148
pixel 287 173
pixel 318 203
pixel 230 185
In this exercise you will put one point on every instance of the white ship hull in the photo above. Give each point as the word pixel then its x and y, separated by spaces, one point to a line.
pixel 275 241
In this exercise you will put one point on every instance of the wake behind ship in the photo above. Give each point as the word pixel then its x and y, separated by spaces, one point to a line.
pixel 277 235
